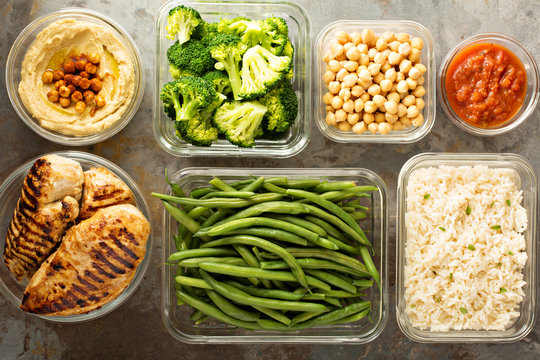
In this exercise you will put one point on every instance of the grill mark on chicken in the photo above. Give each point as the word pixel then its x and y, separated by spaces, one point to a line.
pixel 99 256
pixel 102 271
pixel 111 253
pixel 92 276
pixel 87 284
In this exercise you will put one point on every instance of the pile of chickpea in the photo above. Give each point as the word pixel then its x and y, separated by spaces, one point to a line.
pixel 375 83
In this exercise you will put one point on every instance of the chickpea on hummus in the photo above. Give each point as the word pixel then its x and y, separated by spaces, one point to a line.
pixel 77 78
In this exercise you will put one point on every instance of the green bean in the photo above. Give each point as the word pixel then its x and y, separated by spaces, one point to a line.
pixel 231 194
pixel 242 183
pixel 269 293
pixel 303 223
pixel 342 294
pixel 214 312
pixel 308 263
pixel 175 188
pixel 274 314
pixel 244 298
pixel 370 265
pixel 221 185
pixel 302 183
pixel 190 253
pixel 252 261
pixel 196 315
pixel 330 230
pixel 280 181
pixel 343 246
pixel 194 262
pixel 182 217
pixel 200 192
pixel 197 212
pixel 316 297
pixel 266 245
pixel 325 254
pixel 333 301
pixel 203 319
pixel 270 233
pixel 270 206
pixel 363 282
pixel 330 206
pixel 333 186
pixel 358 215
pixel 353 318
pixel 304 316
pixel 193 282
pixel 257 254
pixel 215 217
pixel 218 230
pixel 325 243
pixel 273 188
pixel 254 185
pixel 244 271
pixel 332 280
pixel 230 309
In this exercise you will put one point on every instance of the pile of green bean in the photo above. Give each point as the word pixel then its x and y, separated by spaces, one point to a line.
pixel 273 254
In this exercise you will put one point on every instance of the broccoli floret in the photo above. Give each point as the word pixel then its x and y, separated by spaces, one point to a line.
pixel 199 130
pixel 268 34
pixel 228 51
pixel 184 98
pixel 261 71
pixel 192 57
pixel 234 26
pixel 220 81
pixel 280 24
pixel 207 33
pixel 181 22
pixel 240 121
pixel 282 108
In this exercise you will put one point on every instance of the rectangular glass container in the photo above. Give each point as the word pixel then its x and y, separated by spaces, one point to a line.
pixel 299 24
pixel 176 318
pixel 406 136
pixel 527 182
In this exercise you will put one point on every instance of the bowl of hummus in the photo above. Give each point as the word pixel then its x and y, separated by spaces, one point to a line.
pixel 75 77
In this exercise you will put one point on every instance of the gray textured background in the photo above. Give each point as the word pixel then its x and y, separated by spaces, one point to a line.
pixel 135 330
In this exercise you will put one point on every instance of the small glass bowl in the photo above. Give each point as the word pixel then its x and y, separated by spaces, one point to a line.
pixel 18 52
pixel 299 24
pixel 176 318
pixel 533 83
pixel 406 136
pixel 527 182
pixel 10 190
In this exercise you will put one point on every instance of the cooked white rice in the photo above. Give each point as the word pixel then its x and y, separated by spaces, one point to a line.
pixel 461 271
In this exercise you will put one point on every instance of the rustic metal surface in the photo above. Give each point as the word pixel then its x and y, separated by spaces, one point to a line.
pixel 135 330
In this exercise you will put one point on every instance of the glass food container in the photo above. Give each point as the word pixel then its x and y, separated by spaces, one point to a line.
pixel 406 136
pixel 10 191
pixel 299 24
pixel 533 83
pixel 18 52
pixel 176 318
pixel 527 182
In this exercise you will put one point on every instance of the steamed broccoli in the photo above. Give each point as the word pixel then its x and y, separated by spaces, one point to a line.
pixel 220 81
pixel 199 130
pixel 261 71
pixel 228 50
pixel 183 98
pixel 182 22
pixel 240 121
pixel 191 57
pixel 282 108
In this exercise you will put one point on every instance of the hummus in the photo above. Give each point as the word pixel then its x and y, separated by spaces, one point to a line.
pixel 52 47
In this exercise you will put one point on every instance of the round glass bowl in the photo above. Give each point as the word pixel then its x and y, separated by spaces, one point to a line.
pixel 10 190
pixel 18 52
pixel 533 83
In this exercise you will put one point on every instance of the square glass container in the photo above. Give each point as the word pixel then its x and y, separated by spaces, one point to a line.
pixel 527 182
pixel 406 136
pixel 176 318
pixel 299 24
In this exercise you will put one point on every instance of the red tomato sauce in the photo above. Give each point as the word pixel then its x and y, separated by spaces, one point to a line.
pixel 486 85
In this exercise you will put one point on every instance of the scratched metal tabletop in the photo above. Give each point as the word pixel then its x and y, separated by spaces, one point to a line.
pixel 135 330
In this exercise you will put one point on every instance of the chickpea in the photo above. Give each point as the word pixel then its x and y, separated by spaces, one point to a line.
pixel 418 121
pixel 357 90
pixel 420 103
pixel 363 48
pixel 381 44
pixel 351 66
pixel 393 96
pixel 414 73
pixel 81 64
pixel 47 77
pixel 334 87
pixel 329 55
pixel 341 115
pixel 390 74
pixel 53 96
pixel 337 102
pixel 342 37
pixel 84 74
pixel 394 45
pixel 341 74
pixel 100 100
pixel 405 121
pixel 394 58
pixel 348 106
pixel 58 75
pixel 94 58
pixel 402 37
pixel 379 100
pixel 394 88
pixel 408 100
pixel 370 107
pixel 401 110
pixel 350 80
pixel 374 90
pixel 368 37
pixel 374 69
pixel 64 91
pixel 386 85
pixel 390 107
pixel 421 80
pixel 414 56
pixel 402 87
pixel 77 96
pixel 68 78
pixel 338 50
pixel 365 75
pixel 71 88
pixel 412 111
pixel 378 78
pixel 330 118
pixel 85 83
pixel 405 66
pixel 347 46
pixel 411 83
pixel 58 84
pixel 371 53
pixel 386 66
pixel 379 117
pixel 364 59
pixel 89 95
pixel 365 97
pixel 388 36
pixel 385 128
pixel 419 91
pixel 329 76
pixel 80 106
pixel 64 102
pixel 69 67
pixel 353 53
pixel 344 126
pixel 365 84
pixel 398 125
pixel 355 37
pixel 400 76
pixel 341 57
pixel 76 80
pixel 373 127
pixel 404 49
pixel 421 67
pixel 379 59
pixel 359 128
pixel 327 98
pixel 358 105
pixel 353 118
pixel 334 66
pixel 327 107
pixel 391 118
pixel 417 43
pixel 368 118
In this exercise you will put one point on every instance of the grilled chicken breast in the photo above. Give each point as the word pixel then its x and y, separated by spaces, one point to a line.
pixel 102 189
pixel 48 204
pixel 95 262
